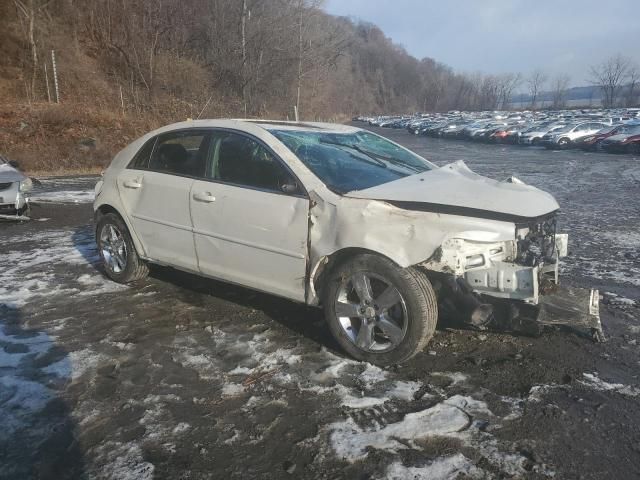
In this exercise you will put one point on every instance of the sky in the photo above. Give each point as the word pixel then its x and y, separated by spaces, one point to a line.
pixel 498 36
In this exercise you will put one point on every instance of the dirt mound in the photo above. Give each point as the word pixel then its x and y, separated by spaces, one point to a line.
pixel 56 138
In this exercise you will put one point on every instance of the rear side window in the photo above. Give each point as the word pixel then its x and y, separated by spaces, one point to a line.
pixel 141 160
pixel 180 153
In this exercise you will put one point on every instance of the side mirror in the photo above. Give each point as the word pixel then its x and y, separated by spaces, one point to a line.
pixel 290 187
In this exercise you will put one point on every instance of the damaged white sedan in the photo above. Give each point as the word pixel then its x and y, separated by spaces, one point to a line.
pixel 338 217
pixel 14 203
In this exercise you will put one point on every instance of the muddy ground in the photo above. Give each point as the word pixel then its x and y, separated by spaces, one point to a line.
pixel 187 378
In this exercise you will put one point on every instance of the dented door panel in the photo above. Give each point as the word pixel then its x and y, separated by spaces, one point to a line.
pixel 252 237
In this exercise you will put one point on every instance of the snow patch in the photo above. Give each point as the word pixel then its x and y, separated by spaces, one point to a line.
pixel 232 389
pixel 372 374
pixel 83 361
pixel 593 381
pixel 124 461
pixel 404 390
pixel 351 442
pixel 440 469
pixel 64 196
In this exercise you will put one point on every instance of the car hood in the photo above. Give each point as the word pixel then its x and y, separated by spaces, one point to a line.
pixel 455 189
pixel 10 174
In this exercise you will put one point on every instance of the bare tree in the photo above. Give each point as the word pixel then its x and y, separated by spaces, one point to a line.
pixel 535 83
pixel 243 30
pixel 507 84
pixel 320 43
pixel 633 76
pixel 609 75
pixel 560 84
pixel 30 9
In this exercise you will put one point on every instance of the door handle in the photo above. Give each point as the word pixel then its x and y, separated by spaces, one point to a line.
pixel 204 197
pixel 132 183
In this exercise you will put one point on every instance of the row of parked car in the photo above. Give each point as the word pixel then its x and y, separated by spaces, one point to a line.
pixel 615 131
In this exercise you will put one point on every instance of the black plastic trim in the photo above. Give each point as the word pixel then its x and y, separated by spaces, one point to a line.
pixel 468 212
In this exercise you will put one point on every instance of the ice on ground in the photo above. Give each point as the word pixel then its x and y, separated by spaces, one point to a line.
pixel 20 399
pixel 14 348
pixel 615 299
pixel 123 461
pixel 469 405
pixel 30 273
pixel 455 377
pixel 181 428
pixel 404 390
pixel 460 418
pixel 21 395
pixel 351 442
pixel 372 374
pixel 444 468
pixel 593 381
pixel 64 196
pixel 83 361
pixel 232 389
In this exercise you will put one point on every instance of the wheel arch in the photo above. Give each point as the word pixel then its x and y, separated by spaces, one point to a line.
pixel 107 208
pixel 325 265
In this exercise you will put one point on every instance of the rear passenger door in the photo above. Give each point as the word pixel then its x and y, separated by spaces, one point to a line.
pixel 250 218
pixel 156 196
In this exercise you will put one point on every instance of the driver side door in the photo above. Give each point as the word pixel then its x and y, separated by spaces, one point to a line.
pixel 250 218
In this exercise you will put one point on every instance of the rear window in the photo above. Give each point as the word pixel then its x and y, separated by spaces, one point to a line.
pixel 141 159
pixel 180 153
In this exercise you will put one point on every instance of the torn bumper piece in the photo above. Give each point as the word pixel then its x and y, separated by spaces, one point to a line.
pixel 578 308
pixel 16 218
pixel 574 308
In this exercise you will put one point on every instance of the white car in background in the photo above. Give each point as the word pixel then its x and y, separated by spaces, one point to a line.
pixel 534 134
pixel 563 137
pixel 14 203
pixel 337 217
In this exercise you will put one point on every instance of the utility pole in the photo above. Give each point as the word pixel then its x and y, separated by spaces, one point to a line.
pixel 55 75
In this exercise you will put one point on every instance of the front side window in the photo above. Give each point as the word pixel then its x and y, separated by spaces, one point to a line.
pixel 243 161
pixel 352 161
pixel 180 153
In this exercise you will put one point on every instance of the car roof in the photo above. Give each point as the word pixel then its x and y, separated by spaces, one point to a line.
pixel 251 124
pixel 308 126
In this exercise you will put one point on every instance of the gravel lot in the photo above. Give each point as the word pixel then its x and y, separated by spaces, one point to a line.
pixel 183 377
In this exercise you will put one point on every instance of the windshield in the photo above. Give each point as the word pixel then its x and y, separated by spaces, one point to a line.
pixel 568 128
pixel 352 161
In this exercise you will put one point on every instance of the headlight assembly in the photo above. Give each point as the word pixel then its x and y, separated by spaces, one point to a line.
pixel 26 185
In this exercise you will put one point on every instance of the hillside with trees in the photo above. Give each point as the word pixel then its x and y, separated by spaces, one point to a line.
pixel 124 66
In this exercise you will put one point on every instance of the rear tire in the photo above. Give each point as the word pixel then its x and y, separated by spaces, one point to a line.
pixel 394 323
pixel 118 252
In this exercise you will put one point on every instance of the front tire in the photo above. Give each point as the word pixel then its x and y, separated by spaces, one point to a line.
pixel 378 312
pixel 117 251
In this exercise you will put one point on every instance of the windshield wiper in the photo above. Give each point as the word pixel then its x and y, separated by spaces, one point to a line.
pixel 376 161
pixel 391 160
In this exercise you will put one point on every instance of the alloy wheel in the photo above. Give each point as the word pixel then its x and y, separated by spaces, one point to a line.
pixel 371 311
pixel 113 248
